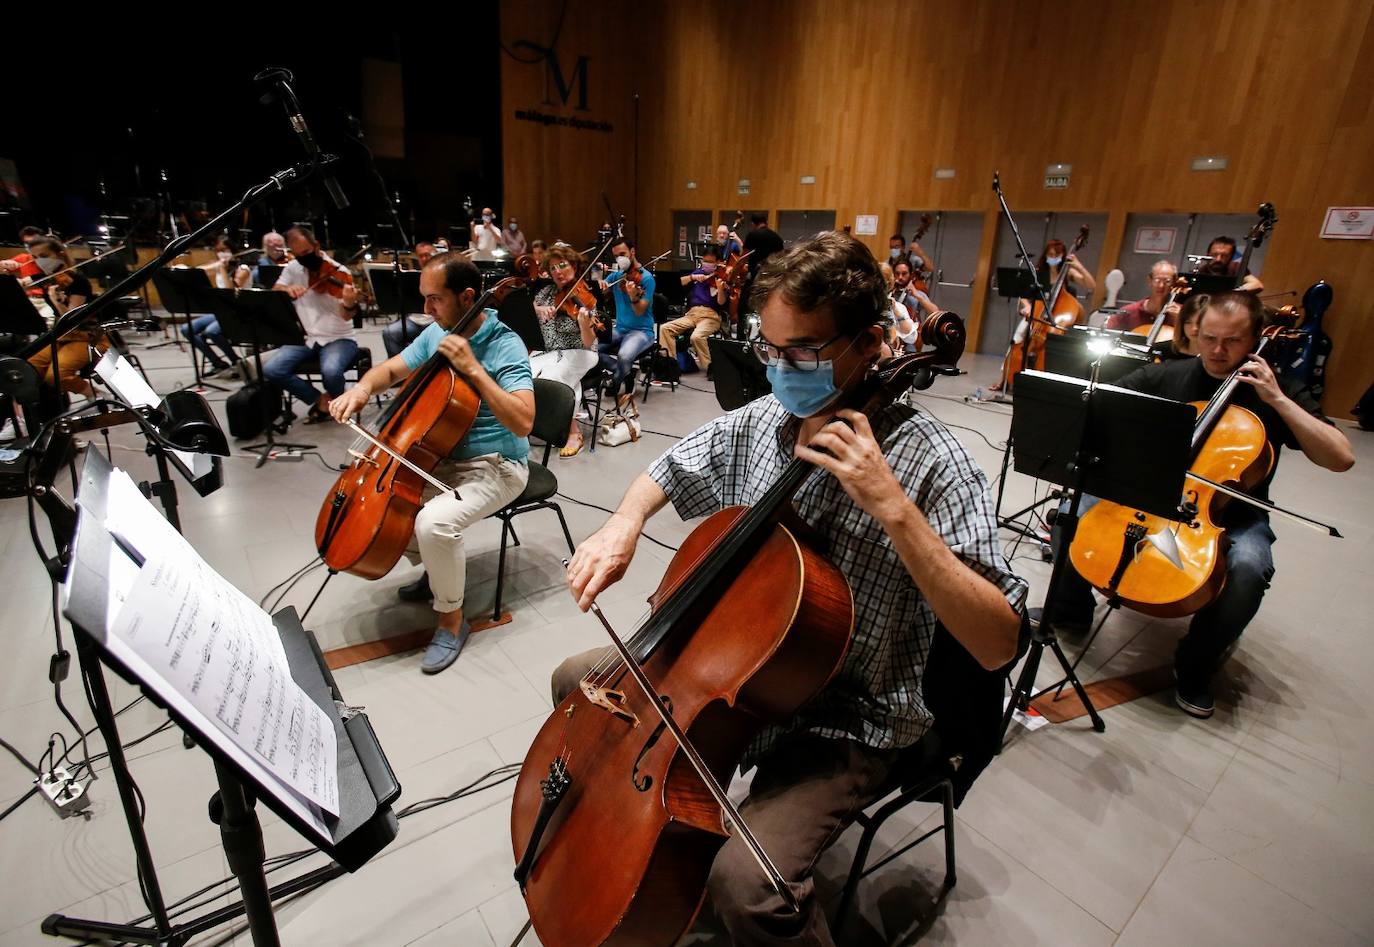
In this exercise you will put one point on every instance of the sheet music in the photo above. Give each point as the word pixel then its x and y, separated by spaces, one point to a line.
pixel 124 379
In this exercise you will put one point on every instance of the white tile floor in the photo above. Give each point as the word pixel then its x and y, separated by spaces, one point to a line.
pixel 1253 827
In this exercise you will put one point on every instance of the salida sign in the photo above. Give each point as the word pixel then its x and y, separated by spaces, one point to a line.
pixel 567 86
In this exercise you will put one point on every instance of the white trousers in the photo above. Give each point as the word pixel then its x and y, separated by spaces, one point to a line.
pixel 484 485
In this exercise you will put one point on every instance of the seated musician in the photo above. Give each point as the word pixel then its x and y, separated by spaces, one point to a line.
pixel 1227 332
pixel 902 331
pixel 1224 262
pixel 76 348
pixel 906 516
pixel 399 334
pixel 705 306
pixel 917 303
pixel 25 266
pixel 914 257
pixel 1047 270
pixel 1184 342
pixel 273 254
pixel 1143 312
pixel 569 341
pixel 488 467
pixel 633 289
pixel 327 321
pixel 729 243
pixel 539 250
pixel 204 330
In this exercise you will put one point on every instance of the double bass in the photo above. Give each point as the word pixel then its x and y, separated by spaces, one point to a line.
pixel 618 814
pixel 368 516
pixel 921 280
pixel 1062 305
pixel 1122 552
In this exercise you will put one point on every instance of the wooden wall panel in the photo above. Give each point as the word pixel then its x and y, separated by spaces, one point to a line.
pixel 871 97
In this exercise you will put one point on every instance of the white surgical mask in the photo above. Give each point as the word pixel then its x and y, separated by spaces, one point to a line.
pixel 1054 260
pixel 48 264
pixel 224 256
pixel 894 253
pixel 622 263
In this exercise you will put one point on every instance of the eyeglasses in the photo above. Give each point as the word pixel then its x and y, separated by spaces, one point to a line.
pixel 804 358
pixel 560 266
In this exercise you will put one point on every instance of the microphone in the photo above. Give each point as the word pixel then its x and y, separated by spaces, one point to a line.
pixel 997 181
pixel 281 79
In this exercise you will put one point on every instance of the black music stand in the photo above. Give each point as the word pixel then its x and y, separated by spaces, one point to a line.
pixel 1211 284
pixel 1069 354
pixel 265 275
pixel 1087 437
pixel 367 786
pixel 738 374
pixel 517 311
pixel 187 290
pixel 259 318
pixel 397 291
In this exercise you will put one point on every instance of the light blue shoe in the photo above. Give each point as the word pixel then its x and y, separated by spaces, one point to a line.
pixel 444 648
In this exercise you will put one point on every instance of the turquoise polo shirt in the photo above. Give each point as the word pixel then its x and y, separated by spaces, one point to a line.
pixel 626 319
pixel 503 355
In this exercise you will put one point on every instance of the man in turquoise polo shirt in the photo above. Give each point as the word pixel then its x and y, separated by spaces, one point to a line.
pixel 633 287
pixel 488 467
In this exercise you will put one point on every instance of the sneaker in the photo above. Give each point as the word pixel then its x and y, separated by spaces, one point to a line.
pixel 444 648
pixel 216 369
pixel 417 591
pixel 1071 625
pixel 1194 698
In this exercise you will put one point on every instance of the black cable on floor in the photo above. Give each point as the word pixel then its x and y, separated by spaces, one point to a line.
pixel 607 510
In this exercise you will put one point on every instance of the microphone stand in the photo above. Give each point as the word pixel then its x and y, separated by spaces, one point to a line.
pixel 135 280
pixel 402 241
pixel 1012 522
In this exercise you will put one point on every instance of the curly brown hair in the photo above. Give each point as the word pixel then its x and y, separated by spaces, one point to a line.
pixel 566 253
pixel 832 272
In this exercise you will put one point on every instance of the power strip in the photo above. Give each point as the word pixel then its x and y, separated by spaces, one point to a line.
pixel 66 795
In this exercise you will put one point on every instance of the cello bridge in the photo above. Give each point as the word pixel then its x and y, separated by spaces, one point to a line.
pixel 610 700
pixel 360 456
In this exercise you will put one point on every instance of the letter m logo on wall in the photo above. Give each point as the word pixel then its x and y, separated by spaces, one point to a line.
pixel 556 81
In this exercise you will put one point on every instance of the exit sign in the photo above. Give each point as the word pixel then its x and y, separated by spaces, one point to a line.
pixel 1056 181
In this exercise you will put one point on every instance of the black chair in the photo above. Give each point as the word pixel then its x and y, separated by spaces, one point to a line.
pixel 554 403
pixel 596 381
pixel 359 366
pixel 965 700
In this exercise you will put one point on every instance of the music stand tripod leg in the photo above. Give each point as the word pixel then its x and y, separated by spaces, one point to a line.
pixel 241 833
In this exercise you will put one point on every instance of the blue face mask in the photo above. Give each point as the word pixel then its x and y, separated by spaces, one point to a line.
pixel 1054 260
pixel 803 393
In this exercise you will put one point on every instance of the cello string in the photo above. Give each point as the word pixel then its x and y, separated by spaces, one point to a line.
pixel 413 468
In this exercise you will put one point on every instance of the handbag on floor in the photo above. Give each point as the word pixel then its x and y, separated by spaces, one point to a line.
pixel 620 426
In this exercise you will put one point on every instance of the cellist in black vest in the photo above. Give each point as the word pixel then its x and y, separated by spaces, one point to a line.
pixel 904 513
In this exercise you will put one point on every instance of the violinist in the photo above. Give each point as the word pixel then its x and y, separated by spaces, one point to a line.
pixel 706 294
pixel 1228 329
pixel 566 322
pixel 488 467
pixel 25 265
pixel 1143 312
pixel 904 511
pixel 398 334
pixel 62 294
pixel 1224 262
pixel 633 332
pixel 327 320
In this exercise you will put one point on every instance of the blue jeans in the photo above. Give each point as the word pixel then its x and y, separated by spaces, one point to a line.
pixel 334 359
pixel 1217 625
pixel 620 353
pixel 393 341
pixel 201 331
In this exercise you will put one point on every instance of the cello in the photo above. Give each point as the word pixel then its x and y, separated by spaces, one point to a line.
pixel 1167 569
pixel 748 624
pixel 368 516
pixel 1062 306
pixel 1157 331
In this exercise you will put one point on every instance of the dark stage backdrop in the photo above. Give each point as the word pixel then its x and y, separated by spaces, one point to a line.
pixel 109 117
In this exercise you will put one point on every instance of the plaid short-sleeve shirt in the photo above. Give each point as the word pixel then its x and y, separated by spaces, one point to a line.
pixel 876 697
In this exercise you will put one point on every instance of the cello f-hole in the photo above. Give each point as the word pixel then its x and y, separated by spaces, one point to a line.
pixel 642 783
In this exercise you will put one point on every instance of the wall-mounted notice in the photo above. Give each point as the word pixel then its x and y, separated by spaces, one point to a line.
pixel 1155 239
pixel 1348 223
pixel 866 225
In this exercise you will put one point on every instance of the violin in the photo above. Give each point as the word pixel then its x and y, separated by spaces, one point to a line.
pixel 618 813
pixel 1031 354
pixel 368 516
pixel 579 297
pixel 1118 549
